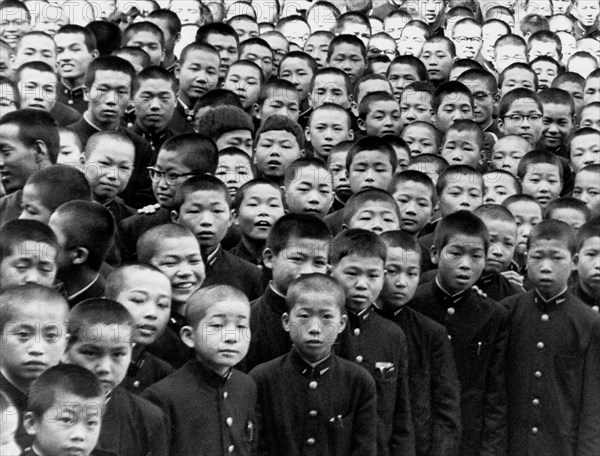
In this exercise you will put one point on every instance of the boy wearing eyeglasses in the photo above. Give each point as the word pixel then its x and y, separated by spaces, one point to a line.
pixel 520 113
pixel 179 158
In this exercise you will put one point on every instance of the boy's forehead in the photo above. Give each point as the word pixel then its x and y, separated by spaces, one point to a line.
pixel 375 207
pixel 38 309
pixel 307 246
pixel 227 307
pixel 464 180
pixel 398 255
pixel 528 208
pixel 346 48
pixel 419 131
pixel 103 335
pixel 590 178
pixel 465 241
pixel 558 244
pixel 523 104
pixel 455 98
pixel 34 249
pixel 543 169
pixel 205 197
pixel 587 140
pixel 371 156
pixel 384 105
pixel 176 246
pixel 294 62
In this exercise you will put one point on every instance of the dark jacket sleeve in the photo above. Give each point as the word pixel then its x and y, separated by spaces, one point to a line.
pixel 445 390
pixel 588 437
pixel 364 439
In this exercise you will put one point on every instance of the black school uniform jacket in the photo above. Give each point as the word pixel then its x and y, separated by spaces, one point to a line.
pixel 553 373
pixel 133 426
pixel 579 293
pixel 497 287
pixel 210 415
pixel 223 268
pixel 73 98
pixel 380 347
pixel 326 410
pixel 19 400
pixel 478 328
pixel 432 382
pixel 144 371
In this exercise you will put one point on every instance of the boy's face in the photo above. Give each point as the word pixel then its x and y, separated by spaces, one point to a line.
pixel 549 266
pixel 299 73
pixel 403 269
pixel 543 182
pixel 460 262
pixel 300 256
pixel 32 205
pixel 373 85
pixel 467 37
pixel 454 106
pixel 506 54
pixel 198 74
pixel 207 215
pixel 108 97
pixel 411 41
pixel 150 43
pixel 507 153
pixel 585 150
pixel 517 78
pixel 37 89
pixel 462 192
pixel 147 297
pixel 106 352
pixel 227 48
pixel 108 168
pixel 588 265
pixel 503 241
pixel 381 45
pixel 30 262
pixel 370 169
pixel 35 48
pixel 282 102
pixel 591 90
pixel 383 118
pixel 165 188
pixel 275 150
pixel 241 139
pixel 571 216
pixel 527 214
pixel 326 130
pixel 461 148
pixel 590 117
pixel 189 12
pixel 498 187
pixel 484 100
pixel 70 426
pixel 180 260
pixel 393 26
pixel 261 207
pixel 314 324
pixel 557 125
pixel 13 23
pixel 33 340
pixel 546 73
pixel 155 101
pixel 587 189
pixel 420 140
pixel 400 75
pixel 245 29
pixel 221 339
pixel 18 160
pixel 490 34
pixel 437 60
pixel 329 88
pixel 561 6
pixel 523 118
pixel 262 56
pixel 543 48
pixel 375 216
pixel 310 192
pixel 359 30
pixel 415 202
pixel 72 55
pixel 348 58
pixel 337 167
pixel 317 47
pixel 234 171
pixel 585 11
pixel 362 279
pixel 244 81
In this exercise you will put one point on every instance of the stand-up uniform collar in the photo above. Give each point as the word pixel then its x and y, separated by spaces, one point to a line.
pixel 208 376
pixel 357 320
pixel 307 369
pixel 445 298
pixel 548 305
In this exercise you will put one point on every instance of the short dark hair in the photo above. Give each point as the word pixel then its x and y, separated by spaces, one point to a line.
pixel 479 74
pixel 463 170
pixel 545 36
pixel 416 63
pixel 448 88
pixel 412 175
pixel 63 378
pixel 587 231
pixel 108 63
pixel 108 36
pixel 457 223
pixel 316 282
pixel 153 72
pixel 332 71
pixel 442 39
pixel 241 193
pixel 567 202
pixel 96 311
pixel 356 241
pixel 116 279
pixel 439 163
pixel 557 96
pixel 277 84
pixel 197 152
pixel 536 157
pixel 553 230
pixel 510 39
pixel 202 183
pixel 347 39
pixel 148 241
pixel 197 46
pixel 15 232
pixel 518 66
pixel 291 172
pixel 339 111
pixel 568 76
pixel 89 39
pixel 59 184
pixel 296 225
pixel 515 180
pixel 36 65
pixel 204 298
pixel 133 53
pixel 12 300
pixel 278 122
pixel 312 64
pixel 516 95
pixel 35 125
pixel 222 119
pixel 373 97
pixel 401 239
pixel 533 23
pixel 215 28
pixel 468 125
pixel 144 26
pixel 371 143
pixel 174 23
pixel 494 212
pixel 365 197
pixel 89 225
pixel 217 97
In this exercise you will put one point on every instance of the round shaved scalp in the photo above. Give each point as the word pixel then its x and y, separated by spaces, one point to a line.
pixel 13 300
pixel 203 299
pixel 322 284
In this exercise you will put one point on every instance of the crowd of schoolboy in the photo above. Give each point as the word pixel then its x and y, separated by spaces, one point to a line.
pixel 290 228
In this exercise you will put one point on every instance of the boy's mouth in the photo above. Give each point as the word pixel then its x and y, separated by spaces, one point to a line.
pixel 184 285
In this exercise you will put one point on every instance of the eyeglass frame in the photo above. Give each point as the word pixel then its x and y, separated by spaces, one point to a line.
pixel 523 117
pixel 163 174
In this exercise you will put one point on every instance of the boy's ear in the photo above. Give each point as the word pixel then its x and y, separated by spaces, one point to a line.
pixel 41 151
pixel 174 216
pixel 177 70
pixel 307 133
pixel 354 108
pixel 350 134
pixel 187 336
pixel 344 227
pixel 361 124
pixel 30 423
pixel 256 109
pixel 434 254
pixel 80 255
pixel 343 322
pixel 575 261
pixel 268 258
pixel 285 321
pixel 501 125
pixel 235 217
pixel 95 54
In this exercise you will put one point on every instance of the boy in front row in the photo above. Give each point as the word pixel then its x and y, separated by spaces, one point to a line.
pixel 210 405
pixel 477 327
pixel 302 406
pixel 553 354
